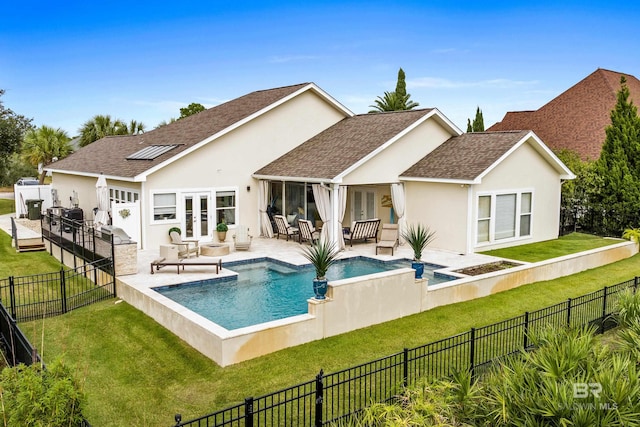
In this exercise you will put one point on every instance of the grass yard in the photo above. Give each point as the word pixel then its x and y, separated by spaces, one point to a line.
pixel 135 372
pixel 565 245
pixel 24 263
pixel 7 206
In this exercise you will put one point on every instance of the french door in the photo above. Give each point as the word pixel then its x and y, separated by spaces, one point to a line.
pixel 196 223
pixel 363 204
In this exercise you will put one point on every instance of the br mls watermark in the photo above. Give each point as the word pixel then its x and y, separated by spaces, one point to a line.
pixel 584 391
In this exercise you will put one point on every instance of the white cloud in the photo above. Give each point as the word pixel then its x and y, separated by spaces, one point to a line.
pixel 440 83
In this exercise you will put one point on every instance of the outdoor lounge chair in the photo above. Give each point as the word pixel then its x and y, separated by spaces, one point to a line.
pixel 307 231
pixel 283 227
pixel 363 230
pixel 242 238
pixel 185 247
pixel 388 237
pixel 161 262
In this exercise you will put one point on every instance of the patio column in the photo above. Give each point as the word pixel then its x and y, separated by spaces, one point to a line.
pixel 335 232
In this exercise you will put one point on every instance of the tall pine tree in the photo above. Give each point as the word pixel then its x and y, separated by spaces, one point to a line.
pixel 478 122
pixel 395 101
pixel 619 168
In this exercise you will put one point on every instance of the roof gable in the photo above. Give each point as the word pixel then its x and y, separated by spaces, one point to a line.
pixel 467 158
pixel 339 149
pixel 109 155
pixel 577 118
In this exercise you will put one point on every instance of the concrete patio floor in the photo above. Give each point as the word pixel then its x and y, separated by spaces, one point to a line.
pixel 280 249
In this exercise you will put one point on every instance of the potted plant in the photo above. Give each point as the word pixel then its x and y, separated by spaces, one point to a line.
pixel 418 237
pixel 176 229
pixel 322 255
pixel 222 231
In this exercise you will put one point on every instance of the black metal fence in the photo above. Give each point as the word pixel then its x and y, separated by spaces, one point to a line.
pixel 339 395
pixel 49 294
pixel 78 237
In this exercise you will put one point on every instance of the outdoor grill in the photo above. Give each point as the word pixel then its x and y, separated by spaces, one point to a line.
pixel 118 234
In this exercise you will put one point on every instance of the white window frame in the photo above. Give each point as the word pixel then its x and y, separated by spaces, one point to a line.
pixel 492 218
pixel 153 207
pixel 214 197
pixel 123 194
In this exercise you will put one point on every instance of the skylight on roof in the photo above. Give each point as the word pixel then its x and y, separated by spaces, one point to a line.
pixel 151 152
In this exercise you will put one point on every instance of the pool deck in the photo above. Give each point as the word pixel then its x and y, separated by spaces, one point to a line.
pixel 280 249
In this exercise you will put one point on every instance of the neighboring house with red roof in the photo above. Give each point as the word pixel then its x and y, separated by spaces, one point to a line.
pixel 576 119
pixel 296 151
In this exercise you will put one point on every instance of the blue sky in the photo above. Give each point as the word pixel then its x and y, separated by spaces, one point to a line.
pixel 63 62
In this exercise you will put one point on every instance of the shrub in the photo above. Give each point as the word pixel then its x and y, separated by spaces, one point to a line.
pixel 33 396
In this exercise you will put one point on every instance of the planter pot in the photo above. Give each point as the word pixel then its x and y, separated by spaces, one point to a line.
pixel 418 267
pixel 222 235
pixel 320 288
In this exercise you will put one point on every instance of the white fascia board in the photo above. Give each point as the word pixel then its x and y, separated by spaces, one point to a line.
pixel 297 179
pixel 434 113
pixel 441 180
pixel 542 149
pixel 310 86
pixel 90 174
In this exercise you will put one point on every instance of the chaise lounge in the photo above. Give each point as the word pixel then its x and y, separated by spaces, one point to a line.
pixel 162 262
pixel 363 230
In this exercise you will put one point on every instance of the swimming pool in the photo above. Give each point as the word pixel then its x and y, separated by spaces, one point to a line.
pixel 239 301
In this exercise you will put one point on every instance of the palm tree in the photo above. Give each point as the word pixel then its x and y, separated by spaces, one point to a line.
pixel 135 127
pixel 100 126
pixel 395 101
pixel 42 145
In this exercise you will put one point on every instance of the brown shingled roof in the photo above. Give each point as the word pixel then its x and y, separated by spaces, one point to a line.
pixel 333 151
pixel 575 119
pixel 108 155
pixel 464 157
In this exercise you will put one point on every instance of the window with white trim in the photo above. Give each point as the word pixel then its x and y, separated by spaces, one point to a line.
pixel 123 195
pixel 504 216
pixel 226 206
pixel 164 206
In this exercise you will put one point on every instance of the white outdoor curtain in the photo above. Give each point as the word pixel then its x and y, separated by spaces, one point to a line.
pixel 323 204
pixel 398 200
pixel 263 194
pixel 342 199
pixel 102 195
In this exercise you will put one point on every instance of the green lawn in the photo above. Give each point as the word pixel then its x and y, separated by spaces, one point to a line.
pixel 23 263
pixel 565 245
pixel 7 206
pixel 135 372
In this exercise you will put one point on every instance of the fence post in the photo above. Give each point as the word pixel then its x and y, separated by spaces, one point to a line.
pixel 604 310
pixel 569 312
pixel 635 284
pixel 405 367
pixel 526 330
pixel 472 353
pixel 63 290
pixel 12 296
pixel 248 412
pixel 319 398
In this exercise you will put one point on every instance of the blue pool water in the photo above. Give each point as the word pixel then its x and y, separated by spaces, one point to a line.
pixel 238 301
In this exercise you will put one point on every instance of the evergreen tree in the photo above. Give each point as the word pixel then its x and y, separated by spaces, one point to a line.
pixel 619 168
pixel 191 109
pixel 478 122
pixel 395 101
pixel 12 128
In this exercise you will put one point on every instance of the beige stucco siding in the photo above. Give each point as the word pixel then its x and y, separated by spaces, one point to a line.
pixel 525 170
pixel 229 161
pixel 385 166
pixel 443 208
